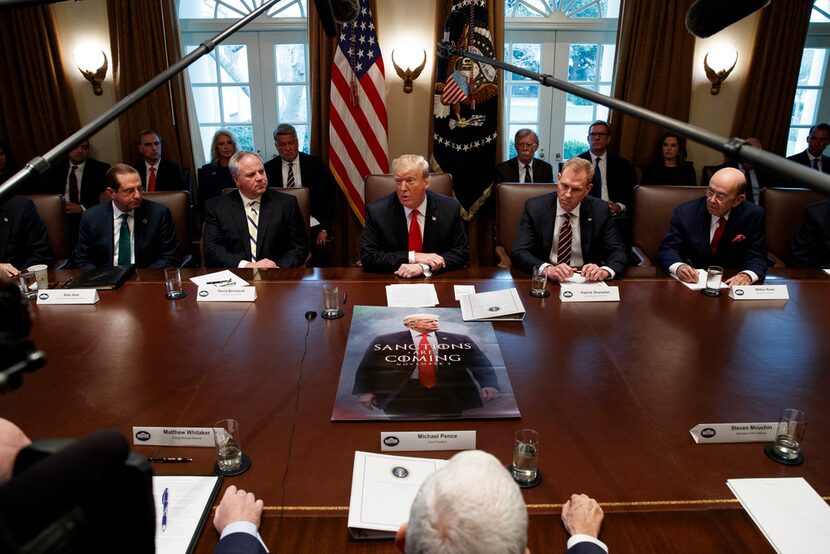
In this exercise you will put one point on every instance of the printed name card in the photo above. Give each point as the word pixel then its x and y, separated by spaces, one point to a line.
pixel 759 292
pixel 734 432
pixel 226 294
pixel 67 296
pixel 570 293
pixel 428 440
pixel 174 436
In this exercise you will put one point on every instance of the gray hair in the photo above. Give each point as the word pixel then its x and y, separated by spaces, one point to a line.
pixel 284 129
pixel 471 504
pixel 411 161
pixel 525 132
pixel 233 164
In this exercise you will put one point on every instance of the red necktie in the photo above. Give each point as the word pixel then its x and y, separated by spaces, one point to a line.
pixel 73 186
pixel 151 182
pixel 713 248
pixel 426 363
pixel 416 241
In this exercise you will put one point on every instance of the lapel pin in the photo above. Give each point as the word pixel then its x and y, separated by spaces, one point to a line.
pixel 144 221
pixel 434 218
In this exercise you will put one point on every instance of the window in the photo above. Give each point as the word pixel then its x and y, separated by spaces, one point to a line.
pixel 255 79
pixel 573 41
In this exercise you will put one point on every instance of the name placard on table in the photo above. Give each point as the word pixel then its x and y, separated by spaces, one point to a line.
pixel 427 440
pixel 578 293
pixel 704 433
pixel 226 294
pixel 174 436
pixel 67 296
pixel 759 292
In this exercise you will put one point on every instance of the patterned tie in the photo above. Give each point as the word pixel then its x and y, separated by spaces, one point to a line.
pixel 151 182
pixel 596 190
pixel 563 250
pixel 416 241
pixel 124 257
pixel 290 182
pixel 713 247
pixel 73 185
pixel 528 177
pixel 815 164
pixel 426 362
pixel 253 225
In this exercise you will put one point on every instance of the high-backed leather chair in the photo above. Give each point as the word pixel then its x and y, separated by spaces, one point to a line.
pixel 52 210
pixel 178 202
pixel 654 205
pixel 784 211
pixel 378 185
pixel 510 203
pixel 706 173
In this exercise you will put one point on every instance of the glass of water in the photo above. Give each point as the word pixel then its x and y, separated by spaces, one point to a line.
pixel 790 433
pixel 538 283
pixel 713 279
pixel 525 465
pixel 228 445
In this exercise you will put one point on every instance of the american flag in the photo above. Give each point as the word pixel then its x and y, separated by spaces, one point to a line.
pixel 455 90
pixel 358 123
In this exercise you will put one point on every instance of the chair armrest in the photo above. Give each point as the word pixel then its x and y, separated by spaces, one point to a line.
pixel 504 259
pixel 776 261
pixel 642 258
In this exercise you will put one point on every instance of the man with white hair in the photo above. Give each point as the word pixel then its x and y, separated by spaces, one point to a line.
pixel 472 505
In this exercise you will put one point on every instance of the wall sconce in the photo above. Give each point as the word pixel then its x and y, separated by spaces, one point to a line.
pixel 93 66
pixel 409 75
pixel 717 72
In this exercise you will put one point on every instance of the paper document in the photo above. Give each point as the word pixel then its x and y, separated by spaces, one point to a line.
pixel 790 513
pixel 701 281
pixel 411 296
pixel 189 500
pixel 224 278
pixel 461 290
pixel 499 305
pixel 383 488
pixel 578 279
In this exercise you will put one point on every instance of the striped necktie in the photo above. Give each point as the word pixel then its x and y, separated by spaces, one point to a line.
pixel 563 250
pixel 290 182
pixel 253 225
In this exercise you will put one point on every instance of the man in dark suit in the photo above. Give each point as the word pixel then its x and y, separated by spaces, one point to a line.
pixel 80 180
pixel 413 231
pixel 811 245
pixel 156 172
pixel 720 229
pixel 23 240
pixel 127 230
pixel 293 168
pixel 756 178
pixel 524 168
pixel 237 521
pixel 580 226
pixel 253 227
pixel 813 156
pixel 424 371
pixel 615 180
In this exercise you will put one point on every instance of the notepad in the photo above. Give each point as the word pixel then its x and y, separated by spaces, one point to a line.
pixel 190 498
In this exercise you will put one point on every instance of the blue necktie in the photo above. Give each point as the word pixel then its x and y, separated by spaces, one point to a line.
pixel 596 190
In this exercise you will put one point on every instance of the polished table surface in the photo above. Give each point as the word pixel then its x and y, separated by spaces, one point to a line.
pixel 613 389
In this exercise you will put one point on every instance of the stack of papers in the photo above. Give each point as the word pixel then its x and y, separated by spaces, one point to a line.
pixel 499 305
pixel 701 281
pixel 224 278
pixel 421 295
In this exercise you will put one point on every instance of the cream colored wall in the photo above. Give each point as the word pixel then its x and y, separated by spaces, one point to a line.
pixel 715 113
pixel 86 22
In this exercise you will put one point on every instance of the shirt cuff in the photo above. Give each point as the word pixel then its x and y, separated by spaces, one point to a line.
pixel 575 539
pixel 427 270
pixel 673 268
pixel 242 527
pixel 411 257
pixel 242 264
pixel 622 206
pixel 611 273
pixel 752 275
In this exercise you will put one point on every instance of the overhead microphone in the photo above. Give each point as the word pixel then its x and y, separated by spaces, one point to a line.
pixel 332 12
pixel 706 17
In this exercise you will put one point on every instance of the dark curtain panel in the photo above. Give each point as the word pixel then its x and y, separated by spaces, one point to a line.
pixel 37 108
pixel 766 103
pixel 145 41
pixel 654 71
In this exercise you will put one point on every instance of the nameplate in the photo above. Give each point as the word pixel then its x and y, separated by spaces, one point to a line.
pixel 67 296
pixel 428 440
pixel 759 292
pixel 174 436
pixel 588 294
pixel 734 432
pixel 226 294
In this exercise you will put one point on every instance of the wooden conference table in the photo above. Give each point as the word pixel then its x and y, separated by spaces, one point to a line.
pixel 613 389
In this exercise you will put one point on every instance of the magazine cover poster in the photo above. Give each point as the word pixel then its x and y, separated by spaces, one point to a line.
pixel 421 364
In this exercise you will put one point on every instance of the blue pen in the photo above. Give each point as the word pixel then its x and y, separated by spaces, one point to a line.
pixel 164 499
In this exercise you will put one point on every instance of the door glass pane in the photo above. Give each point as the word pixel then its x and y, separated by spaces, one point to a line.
pixel 207 104
pixel 244 134
pixel 812 67
pixel 797 140
pixel 291 65
pixel 291 103
pixel 804 107
pixel 579 109
pixel 606 72
pixel 583 62
pixel 524 102
pixel 576 141
pixel 202 70
pixel 526 56
pixel 236 104
pixel 233 60
pixel 206 131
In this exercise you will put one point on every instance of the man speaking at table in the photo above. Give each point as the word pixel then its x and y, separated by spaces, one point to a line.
pixel 127 230
pixel 569 230
pixel 413 231
pixel 720 229
pixel 424 372
pixel 252 226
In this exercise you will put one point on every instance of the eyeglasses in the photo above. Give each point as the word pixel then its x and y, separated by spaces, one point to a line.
pixel 522 145
pixel 597 135
pixel 719 196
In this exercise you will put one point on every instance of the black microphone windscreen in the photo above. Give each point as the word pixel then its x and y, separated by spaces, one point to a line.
pixel 324 10
pixel 706 17
pixel 345 10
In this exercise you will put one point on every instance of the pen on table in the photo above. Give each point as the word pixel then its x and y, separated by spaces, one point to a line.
pixel 164 500
pixel 215 282
pixel 170 460
pixel 65 282
pixel 345 295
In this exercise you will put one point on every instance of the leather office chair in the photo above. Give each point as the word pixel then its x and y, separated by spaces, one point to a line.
pixel 784 211
pixel 379 185
pixel 706 173
pixel 52 210
pixel 654 205
pixel 178 202
pixel 510 203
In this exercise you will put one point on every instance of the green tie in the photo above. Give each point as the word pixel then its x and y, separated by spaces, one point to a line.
pixel 124 242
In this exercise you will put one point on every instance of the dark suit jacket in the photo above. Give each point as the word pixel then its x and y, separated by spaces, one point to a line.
pixel 811 246
pixel 620 178
pixel 659 174
pixel 601 242
pixel 93 183
pixel 764 179
pixel 803 159
pixel 385 242
pixel 508 172
pixel 23 240
pixel 317 178
pixel 239 543
pixel 155 241
pixel 212 180
pixel 585 548
pixel 280 237
pixel 743 245
pixel 385 379
pixel 169 176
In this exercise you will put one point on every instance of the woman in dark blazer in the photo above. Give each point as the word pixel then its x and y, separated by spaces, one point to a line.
pixel 671 167
pixel 215 176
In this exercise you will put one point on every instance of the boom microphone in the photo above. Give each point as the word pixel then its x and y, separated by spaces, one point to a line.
pixel 707 17
pixel 332 12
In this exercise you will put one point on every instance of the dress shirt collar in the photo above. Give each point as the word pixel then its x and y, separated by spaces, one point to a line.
pixel 148 165
pixel 422 209
pixel 116 213
pixel 416 335
pixel 560 212
pixel 80 166
pixel 713 219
